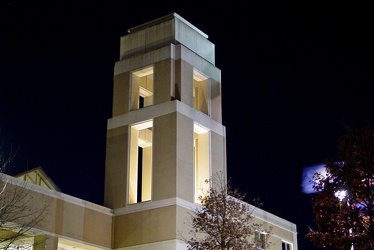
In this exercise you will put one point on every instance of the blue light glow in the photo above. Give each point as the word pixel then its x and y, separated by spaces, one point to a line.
pixel 307 178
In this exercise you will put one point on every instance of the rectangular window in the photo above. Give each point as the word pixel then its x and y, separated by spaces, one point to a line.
pixel 142 88
pixel 201 160
pixel 286 246
pixel 140 170
pixel 260 240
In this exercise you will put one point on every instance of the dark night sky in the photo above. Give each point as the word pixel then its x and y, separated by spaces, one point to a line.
pixel 292 76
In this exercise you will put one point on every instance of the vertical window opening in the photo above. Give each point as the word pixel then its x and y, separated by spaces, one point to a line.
pixel 201 92
pixel 141 102
pixel 140 167
pixel 140 172
pixel 142 88
pixel 201 160
pixel 286 246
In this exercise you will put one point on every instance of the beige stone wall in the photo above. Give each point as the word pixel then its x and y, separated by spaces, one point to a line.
pixel 164 157
pixel 153 225
pixel 163 31
pixel 186 78
pixel 116 168
pixel 183 223
pixel 121 92
pixel 51 243
pixel 216 96
pixel 163 80
pixel 82 223
pixel 185 169
pixel 218 153
pixel 139 41
pixel 65 216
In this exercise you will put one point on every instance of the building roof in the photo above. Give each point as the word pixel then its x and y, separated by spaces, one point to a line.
pixel 39 177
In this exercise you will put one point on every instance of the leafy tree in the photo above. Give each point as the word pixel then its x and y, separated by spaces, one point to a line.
pixel 224 221
pixel 20 212
pixel 348 220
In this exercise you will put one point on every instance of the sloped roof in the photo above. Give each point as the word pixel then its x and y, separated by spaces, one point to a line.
pixel 39 177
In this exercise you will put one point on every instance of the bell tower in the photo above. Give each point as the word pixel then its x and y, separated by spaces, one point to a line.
pixel 165 137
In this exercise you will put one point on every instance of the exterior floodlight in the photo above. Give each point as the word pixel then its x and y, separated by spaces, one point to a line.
pixel 341 194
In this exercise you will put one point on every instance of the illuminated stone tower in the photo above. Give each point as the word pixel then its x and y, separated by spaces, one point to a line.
pixel 165 136
pixel 164 140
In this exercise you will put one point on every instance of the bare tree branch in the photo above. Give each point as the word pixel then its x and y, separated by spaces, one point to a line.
pixel 224 221
pixel 20 211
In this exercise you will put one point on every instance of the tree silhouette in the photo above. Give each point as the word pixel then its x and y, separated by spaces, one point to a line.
pixel 19 214
pixel 346 221
pixel 224 221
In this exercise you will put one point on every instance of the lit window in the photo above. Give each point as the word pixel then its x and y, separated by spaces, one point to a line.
pixel 140 172
pixel 142 88
pixel 201 160
pixel 201 92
